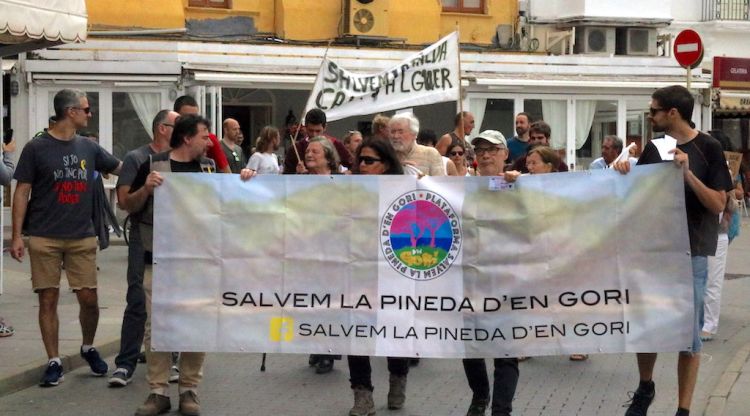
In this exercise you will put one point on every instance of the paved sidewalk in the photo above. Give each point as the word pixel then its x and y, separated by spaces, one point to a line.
pixel 234 386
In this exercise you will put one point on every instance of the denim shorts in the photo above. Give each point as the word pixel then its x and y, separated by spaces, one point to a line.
pixel 700 275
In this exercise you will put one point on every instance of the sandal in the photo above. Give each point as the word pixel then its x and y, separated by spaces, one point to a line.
pixel 6 330
pixel 579 357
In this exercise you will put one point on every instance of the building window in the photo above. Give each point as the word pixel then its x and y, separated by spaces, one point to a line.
pixel 463 6
pixel 218 4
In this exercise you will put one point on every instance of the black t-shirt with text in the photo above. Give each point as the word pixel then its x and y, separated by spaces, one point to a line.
pixel 61 174
pixel 708 164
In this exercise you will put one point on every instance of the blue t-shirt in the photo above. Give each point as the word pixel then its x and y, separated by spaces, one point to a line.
pixel 61 174
pixel 516 148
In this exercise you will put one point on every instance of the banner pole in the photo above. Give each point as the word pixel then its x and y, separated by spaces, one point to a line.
pixel 460 99
pixel 302 116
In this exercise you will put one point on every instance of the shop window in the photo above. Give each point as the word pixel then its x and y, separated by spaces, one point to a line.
pixel 132 115
pixel 217 4
pixel 594 120
pixel 463 6
pixel 493 114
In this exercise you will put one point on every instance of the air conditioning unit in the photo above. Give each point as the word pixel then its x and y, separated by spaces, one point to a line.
pixel 636 41
pixel 595 40
pixel 366 17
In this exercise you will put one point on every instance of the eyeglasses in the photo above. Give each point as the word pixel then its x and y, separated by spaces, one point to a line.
pixel 490 150
pixel 457 153
pixel 86 110
pixel 653 110
pixel 367 160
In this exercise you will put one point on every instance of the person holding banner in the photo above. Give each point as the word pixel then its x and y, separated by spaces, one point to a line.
pixel 491 150
pixel 189 142
pixel 376 157
pixel 707 180
pixel 418 159
pixel 315 125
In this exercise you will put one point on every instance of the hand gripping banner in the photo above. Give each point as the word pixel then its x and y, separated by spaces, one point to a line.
pixel 430 76
pixel 560 263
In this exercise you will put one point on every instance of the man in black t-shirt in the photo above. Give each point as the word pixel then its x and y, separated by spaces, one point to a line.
pixel 54 205
pixel 706 181
pixel 189 142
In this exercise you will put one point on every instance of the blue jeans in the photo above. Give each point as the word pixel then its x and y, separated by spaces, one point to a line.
pixel 134 317
pixel 700 276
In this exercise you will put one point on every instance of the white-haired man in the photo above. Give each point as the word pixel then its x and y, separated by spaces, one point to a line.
pixel 417 159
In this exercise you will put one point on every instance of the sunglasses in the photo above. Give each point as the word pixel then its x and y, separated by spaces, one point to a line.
pixel 653 110
pixel 457 153
pixel 86 110
pixel 368 160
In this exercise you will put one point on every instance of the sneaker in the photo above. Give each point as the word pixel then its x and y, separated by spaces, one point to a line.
pixel 53 375
pixel 397 392
pixel 641 400
pixel 324 365
pixel 189 405
pixel 364 405
pixel 120 378
pixel 478 406
pixel 5 329
pixel 98 366
pixel 155 404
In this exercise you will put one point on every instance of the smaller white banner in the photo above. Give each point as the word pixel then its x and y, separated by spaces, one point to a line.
pixel 430 76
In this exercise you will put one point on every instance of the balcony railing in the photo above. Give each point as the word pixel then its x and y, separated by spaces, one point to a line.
pixel 725 10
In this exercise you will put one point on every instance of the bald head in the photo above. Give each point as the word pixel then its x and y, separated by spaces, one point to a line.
pixel 231 130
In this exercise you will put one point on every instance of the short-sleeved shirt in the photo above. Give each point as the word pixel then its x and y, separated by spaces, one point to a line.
pixel 235 157
pixel 61 174
pixel 130 164
pixel 264 163
pixel 426 159
pixel 707 162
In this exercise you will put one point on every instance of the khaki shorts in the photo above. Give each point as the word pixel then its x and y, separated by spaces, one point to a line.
pixel 49 255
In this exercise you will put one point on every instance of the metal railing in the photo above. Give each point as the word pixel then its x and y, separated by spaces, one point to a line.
pixel 725 10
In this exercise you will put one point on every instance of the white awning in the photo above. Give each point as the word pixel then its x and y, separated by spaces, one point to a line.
pixel 23 21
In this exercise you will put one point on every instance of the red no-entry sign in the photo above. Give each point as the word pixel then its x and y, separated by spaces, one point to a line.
pixel 688 49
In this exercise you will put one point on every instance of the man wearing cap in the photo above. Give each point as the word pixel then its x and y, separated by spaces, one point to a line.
pixel 417 159
pixel 491 150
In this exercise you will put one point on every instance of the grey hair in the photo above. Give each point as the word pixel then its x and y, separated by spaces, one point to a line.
pixel 332 156
pixel 65 99
pixel 410 118
pixel 616 141
pixel 160 118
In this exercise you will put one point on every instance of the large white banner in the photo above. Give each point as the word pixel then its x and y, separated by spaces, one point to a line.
pixel 430 76
pixel 433 267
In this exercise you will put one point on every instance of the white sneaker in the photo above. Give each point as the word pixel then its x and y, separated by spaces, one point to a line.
pixel 174 374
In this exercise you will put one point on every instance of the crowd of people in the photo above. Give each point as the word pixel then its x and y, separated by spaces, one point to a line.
pixel 53 205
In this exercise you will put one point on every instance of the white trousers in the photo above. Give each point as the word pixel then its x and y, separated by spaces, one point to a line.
pixel 712 300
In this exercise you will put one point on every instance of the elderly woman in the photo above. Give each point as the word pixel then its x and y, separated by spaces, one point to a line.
pixel 376 157
pixel 321 157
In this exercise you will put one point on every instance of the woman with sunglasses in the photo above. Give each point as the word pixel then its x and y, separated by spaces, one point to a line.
pixel 376 157
pixel 457 154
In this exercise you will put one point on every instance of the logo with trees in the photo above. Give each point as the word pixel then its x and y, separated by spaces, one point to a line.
pixel 420 235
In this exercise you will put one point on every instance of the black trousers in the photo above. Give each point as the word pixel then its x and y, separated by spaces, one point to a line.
pixel 360 371
pixel 504 385
pixel 134 317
